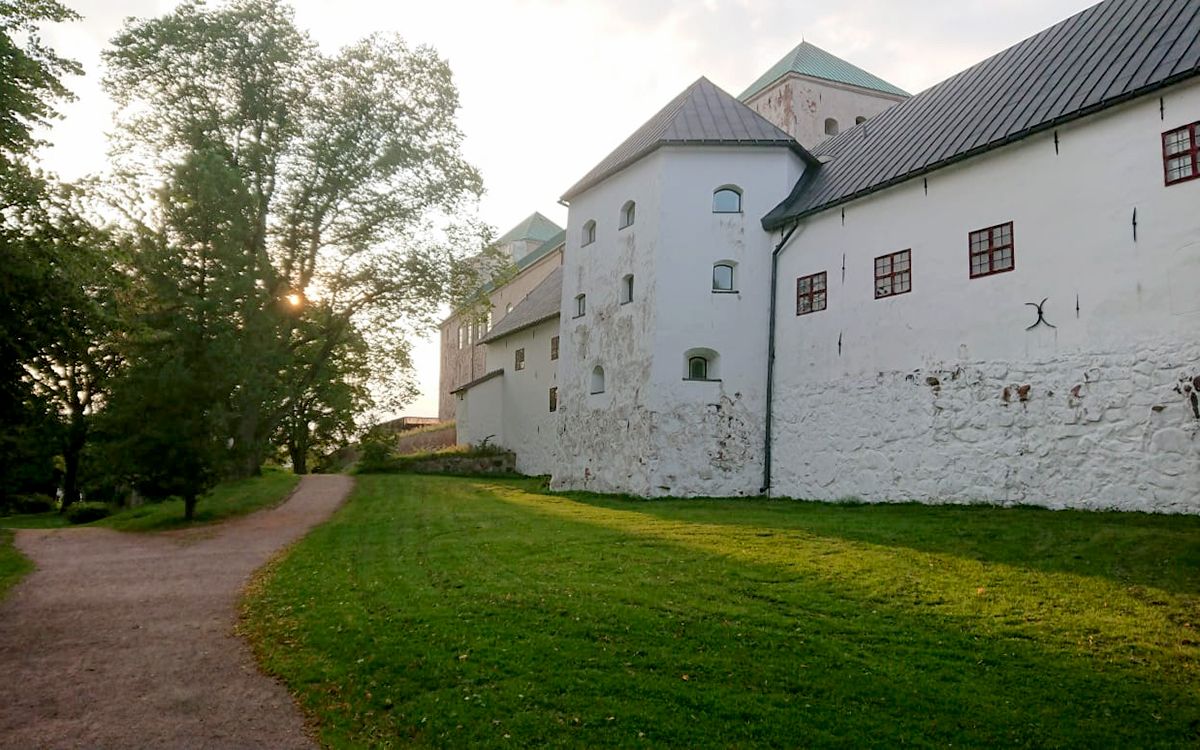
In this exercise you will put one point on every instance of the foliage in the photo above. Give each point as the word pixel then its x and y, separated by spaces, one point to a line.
pixel 88 512
pixel 13 565
pixel 449 612
pixel 35 503
pixel 321 197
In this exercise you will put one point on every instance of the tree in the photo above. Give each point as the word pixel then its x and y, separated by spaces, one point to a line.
pixel 30 87
pixel 344 172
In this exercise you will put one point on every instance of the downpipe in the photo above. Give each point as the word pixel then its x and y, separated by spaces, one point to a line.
pixel 766 485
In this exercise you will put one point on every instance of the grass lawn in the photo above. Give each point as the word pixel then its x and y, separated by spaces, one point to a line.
pixel 13 565
pixel 457 612
pixel 226 500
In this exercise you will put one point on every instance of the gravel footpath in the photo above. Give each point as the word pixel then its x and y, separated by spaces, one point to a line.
pixel 126 640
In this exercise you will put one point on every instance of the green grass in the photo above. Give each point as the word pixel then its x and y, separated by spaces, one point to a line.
pixel 13 565
pixel 226 500
pixel 455 612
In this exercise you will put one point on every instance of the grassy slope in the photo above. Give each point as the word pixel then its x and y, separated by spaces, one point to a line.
pixel 442 611
pixel 226 500
pixel 13 565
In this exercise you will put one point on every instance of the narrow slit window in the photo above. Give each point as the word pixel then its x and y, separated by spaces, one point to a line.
pixel 580 305
pixel 553 348
pixel 628 212
pixel 519 360
pixel 597 380
pixel 893 274
pixel 697 368
pixel 811 293
pixel 1181 154
pixel 992 250
pixel 554 399
pixel 627 289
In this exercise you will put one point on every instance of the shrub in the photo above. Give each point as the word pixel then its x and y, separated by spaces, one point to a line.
pixel 87 512
pixel 35 503
pixel 377 455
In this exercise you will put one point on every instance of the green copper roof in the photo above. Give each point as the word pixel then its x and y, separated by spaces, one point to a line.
pixel 810 60
pixel 535 227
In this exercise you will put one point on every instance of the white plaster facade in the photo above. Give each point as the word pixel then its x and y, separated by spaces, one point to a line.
pixel 961 390
pixel 914 407
pixel 652 432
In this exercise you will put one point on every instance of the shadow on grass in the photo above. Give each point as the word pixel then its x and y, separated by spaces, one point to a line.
pixel 1131 549
pixel 452 612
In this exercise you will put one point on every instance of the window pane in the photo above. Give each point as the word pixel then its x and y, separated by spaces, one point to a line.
pixel 1178 141
pixel 818 302
pixel 723 278
pixel 698 368
pixel 727 202
pixel 902 283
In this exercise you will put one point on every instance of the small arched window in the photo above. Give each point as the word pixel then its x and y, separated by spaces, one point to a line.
pixel 627 289
pixel 727 200
pixel 723 277
pixel 701 364
pixel 859 120
pixel 627 215
pixel 508 308
pixel 589 232
pixel 831 126
pixel 597 380
pixel 580 305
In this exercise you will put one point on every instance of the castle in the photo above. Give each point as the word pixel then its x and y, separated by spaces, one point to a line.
pixel 828 289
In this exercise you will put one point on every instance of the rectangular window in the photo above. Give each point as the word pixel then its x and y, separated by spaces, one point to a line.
pixel 554 399
pixel 991 250
pixel 519 364
pixel 1181 154
pixel 893 274
pixel 810 293
pixel 580 305
pixel 553 348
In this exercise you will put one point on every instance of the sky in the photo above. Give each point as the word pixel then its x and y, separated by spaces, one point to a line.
pixel 549 87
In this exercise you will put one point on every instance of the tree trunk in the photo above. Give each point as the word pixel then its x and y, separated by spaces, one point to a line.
pixel 299 460
pixel 189 507
pixel 72 450
pixel 298 446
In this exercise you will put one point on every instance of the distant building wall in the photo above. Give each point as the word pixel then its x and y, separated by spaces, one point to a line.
pixel 528 426
pixel 800 106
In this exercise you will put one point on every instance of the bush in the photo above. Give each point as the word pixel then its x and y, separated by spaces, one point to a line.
pixel 377 455
pixel 87 512
pixel 36 503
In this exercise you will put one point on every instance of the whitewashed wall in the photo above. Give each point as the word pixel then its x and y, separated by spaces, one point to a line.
pixel 481 413
pixel 651 432
pixel 800 105
pixel 942 395
pixel 528 427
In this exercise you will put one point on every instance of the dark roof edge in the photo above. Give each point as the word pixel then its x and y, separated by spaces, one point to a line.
pixel 744 99
pixel 477 381
pixel 523 327
pixel 793 146
pixel 774 220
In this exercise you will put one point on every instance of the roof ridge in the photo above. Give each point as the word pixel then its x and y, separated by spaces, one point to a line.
pixel 807 59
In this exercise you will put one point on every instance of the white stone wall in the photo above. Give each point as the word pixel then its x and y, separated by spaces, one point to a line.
pixel 528 426
pixel 942 395
pixel 652 432
pixel 799 105
pixel 481 411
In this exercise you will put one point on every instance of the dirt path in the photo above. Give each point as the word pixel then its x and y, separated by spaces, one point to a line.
pixel 126 640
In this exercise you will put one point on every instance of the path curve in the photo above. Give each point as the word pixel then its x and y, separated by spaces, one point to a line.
pixel 126 640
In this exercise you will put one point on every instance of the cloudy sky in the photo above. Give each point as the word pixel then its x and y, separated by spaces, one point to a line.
pixel 549 87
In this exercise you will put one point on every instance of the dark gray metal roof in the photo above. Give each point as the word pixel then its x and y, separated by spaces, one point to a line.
pixel 702 115
pixel 540 305
pixel 478 381
pixel 1105 55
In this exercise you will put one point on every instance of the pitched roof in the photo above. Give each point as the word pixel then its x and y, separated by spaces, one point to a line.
pixel 810 60
pixel 540 305
pixel 1105 55
pixel 479 380
pixel 702 114
pixel 544 249
pixel 534 227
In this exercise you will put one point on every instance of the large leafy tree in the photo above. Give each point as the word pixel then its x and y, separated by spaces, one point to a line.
pixel 30 298
pixel 343 195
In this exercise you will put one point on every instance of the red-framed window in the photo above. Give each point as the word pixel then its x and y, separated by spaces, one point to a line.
pixel 810 293
pixel 991 250
pixel 893 274
pixel 1181 154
